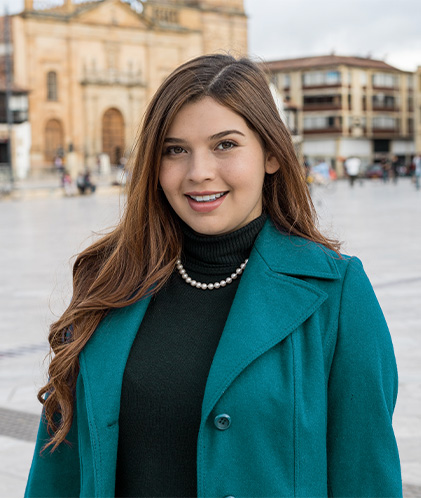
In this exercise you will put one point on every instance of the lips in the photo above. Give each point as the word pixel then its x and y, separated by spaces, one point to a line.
pixel 205 202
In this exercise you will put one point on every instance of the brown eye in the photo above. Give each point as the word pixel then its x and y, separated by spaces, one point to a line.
pixel 174 150
pixel 226 145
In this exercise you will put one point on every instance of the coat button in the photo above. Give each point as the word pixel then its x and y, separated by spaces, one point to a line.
pixel 222 422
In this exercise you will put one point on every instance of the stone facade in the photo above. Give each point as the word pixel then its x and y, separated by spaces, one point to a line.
pixel 91 67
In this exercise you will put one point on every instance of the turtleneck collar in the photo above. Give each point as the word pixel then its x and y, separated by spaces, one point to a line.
pixel 212 254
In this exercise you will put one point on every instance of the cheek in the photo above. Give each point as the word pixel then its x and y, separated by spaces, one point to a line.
pixel 166 178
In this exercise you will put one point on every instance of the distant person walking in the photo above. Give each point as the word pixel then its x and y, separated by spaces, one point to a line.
pixel 385 164
pixel 417 163
pixel 395 169
pixel 352 166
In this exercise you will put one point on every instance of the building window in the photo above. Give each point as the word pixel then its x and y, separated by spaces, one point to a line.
pixel 410 126
pixel 52 93
pixel 385 80
pixel 410 81
pixel 385 123
pixel 287 80
pixel 321 102
pixel 380 100
pixel 321 78
pixel 322 122
pixel 363 78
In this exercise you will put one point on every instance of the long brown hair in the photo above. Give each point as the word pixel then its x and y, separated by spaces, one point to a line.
pixel 141 252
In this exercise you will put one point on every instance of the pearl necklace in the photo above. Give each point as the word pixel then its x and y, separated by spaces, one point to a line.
pixel 215 285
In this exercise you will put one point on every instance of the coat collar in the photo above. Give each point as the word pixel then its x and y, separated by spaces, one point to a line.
pixel 294 255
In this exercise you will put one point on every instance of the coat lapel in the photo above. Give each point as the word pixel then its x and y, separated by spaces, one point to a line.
pixel 103 360
pixel 269 304
pixel 102 364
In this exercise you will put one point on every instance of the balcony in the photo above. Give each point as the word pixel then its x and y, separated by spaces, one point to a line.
pixel 323 131
pixel 321 86
pixel 386 107
pixel 111 77
pixel 322 106
pixel 387 132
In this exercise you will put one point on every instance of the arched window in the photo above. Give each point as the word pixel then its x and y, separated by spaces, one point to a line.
pixel 52 93
pixel 113 135
pixel 54 139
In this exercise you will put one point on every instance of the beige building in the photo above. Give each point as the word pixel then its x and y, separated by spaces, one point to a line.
pixel 349 106
pixel 91 67
pixel 417 110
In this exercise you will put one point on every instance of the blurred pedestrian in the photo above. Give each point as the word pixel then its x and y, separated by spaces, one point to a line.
pixel 84 183
pixel 217 343
pixel 395 165
pixel 67 184
pixel 352 166
pixel 417 171
pixel 59 164
pixel 385 164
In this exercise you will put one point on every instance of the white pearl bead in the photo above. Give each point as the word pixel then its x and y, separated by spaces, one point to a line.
pixel 216 285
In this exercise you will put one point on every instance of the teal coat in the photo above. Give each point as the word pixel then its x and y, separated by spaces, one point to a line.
pixel 305 370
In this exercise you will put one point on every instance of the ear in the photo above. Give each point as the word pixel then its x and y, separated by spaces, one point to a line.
pixel 271 164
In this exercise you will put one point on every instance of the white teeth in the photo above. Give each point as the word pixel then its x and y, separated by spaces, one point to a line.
pixel 206 198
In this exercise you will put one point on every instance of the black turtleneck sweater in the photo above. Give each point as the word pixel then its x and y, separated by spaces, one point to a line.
pixel 166 372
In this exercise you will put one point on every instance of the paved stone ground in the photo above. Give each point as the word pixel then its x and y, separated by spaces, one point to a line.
pixel 379 223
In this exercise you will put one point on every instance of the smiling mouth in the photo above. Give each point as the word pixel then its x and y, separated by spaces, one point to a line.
pixel 206 198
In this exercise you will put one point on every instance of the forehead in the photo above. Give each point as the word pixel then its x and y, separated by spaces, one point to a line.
pixel 205 117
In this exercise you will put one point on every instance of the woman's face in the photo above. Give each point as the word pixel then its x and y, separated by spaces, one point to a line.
pixel 212 168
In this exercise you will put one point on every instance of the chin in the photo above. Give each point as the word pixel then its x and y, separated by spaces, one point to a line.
pixel 209 229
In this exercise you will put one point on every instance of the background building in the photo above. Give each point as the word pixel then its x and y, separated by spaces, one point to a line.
pixel 91 67
pixel 349 106
pixel 15 136
pixel 417 110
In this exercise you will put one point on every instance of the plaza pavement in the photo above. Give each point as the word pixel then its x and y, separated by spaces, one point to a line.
pixel 39 233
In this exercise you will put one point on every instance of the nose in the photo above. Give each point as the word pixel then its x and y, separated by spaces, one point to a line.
pixel 202 167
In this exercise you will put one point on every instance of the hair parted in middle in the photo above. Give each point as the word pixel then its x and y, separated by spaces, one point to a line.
pixel 139 255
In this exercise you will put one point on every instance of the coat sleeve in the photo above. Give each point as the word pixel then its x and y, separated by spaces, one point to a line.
pixel 55 474
pixel 363 459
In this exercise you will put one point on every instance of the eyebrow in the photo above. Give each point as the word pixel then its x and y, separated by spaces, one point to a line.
pixel 221 134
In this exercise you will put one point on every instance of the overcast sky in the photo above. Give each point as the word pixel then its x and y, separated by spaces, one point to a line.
pixel 280 29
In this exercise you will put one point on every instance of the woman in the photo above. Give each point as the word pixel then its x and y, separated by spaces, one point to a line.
pixel 217 344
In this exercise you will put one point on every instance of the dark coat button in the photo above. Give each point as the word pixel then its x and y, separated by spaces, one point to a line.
pixel 222 422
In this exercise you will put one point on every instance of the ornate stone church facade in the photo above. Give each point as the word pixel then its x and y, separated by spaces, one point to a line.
pixel 91 67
